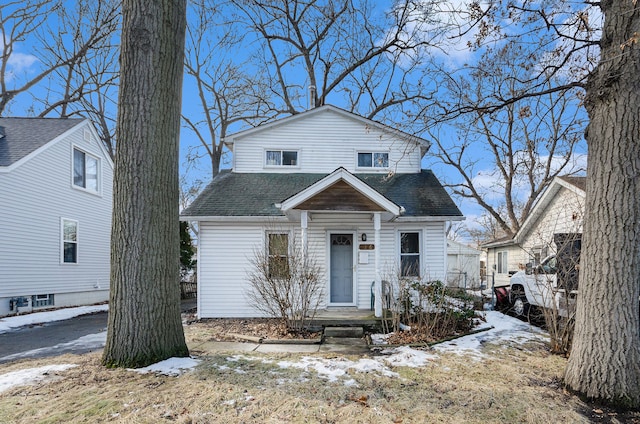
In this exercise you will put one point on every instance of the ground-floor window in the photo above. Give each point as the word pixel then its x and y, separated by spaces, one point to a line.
pixel 278 253
pixel 410 254
pixel 69 241
pixel 503 263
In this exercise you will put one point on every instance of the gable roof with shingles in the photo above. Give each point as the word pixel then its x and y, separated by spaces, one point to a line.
pixel 579 182
pixel 539 208
pixel 256 194
pixel 20 137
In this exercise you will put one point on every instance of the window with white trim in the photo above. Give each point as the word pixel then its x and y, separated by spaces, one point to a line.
pixel 410 254
pixel 278 254
pixel 42 300
pixel 85 171
pixel 281 158
pixel 69 241
pixel 503 263
pixel 373 160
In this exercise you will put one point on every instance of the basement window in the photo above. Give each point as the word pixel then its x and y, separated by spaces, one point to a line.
pixel 42 300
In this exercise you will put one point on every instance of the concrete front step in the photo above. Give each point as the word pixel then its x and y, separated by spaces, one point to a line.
pixel 343 332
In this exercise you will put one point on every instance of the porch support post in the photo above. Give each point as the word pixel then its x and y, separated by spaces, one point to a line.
pixel 304 217
pixel 376 260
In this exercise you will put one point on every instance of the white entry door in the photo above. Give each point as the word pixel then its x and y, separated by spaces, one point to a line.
pixel 341 270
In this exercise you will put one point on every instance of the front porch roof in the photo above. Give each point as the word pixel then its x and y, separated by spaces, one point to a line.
pixel 340 191
pixel 234 195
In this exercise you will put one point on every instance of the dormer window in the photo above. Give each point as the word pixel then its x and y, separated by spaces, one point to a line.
pixel 373 160
pixel 85 171
pixel 281 158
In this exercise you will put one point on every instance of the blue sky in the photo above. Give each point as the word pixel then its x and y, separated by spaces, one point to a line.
pixel 25 61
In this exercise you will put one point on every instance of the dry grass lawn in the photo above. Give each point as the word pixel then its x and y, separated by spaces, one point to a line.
pixel 514 384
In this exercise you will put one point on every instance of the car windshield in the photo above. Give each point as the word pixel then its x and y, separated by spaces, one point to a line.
pixel 549 266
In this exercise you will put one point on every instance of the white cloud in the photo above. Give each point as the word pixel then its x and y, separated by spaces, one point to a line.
pixel 20 61
pixel 446 26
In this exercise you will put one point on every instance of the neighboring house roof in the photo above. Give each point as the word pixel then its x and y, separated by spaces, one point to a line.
pixel 499 242
pixel 457 248
pixel 20 137
pixel 578 182
pixel 256 194
pixel 574 184
pixel 424 144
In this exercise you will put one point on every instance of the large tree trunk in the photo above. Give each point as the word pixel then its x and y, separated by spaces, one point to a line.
pixel 605 358
pixel 144 315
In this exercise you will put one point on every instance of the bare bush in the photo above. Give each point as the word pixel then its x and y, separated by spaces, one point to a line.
pixel 285 284
pixel 428 309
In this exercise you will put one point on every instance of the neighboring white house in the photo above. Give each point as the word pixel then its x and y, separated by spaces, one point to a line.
pixel 463 265
pixel 55 214
pixel 559 210
pixel 349 190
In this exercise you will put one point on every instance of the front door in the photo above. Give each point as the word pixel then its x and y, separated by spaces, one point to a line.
pixel 341 269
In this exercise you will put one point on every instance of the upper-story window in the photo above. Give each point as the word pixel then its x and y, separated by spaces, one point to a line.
pixel 373 160
pixel 281 158
pixel 85 171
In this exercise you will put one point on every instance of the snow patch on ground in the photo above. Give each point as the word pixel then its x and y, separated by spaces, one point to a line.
pixel 30 376
pixel 503 329
pixel 171 367
pixel 9 323
pixel 338 368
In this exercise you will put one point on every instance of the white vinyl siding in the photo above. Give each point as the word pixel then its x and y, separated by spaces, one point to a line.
pixel 563 214
pixel 226 249
pixel 325 142
pixel 30 257
pixel 225 253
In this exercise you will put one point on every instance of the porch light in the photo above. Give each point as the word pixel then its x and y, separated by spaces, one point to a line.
pixel 364 237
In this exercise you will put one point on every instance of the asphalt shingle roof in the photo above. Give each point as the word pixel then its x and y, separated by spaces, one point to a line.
pixel 25 135
pixel 255 194
pixel 580 182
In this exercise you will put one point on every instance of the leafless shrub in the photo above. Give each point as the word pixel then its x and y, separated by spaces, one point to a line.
pixel 285 284
pixel 428 308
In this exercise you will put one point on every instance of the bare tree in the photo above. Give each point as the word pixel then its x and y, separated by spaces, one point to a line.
pixel 227 92
pixel 344 50
pixel 605 358
pixel 87 84
pixel 144 317
pixel 72 52
pixel 519 148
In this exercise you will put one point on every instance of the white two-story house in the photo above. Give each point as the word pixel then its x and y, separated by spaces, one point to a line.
pixel 349 190
pixel 55 214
